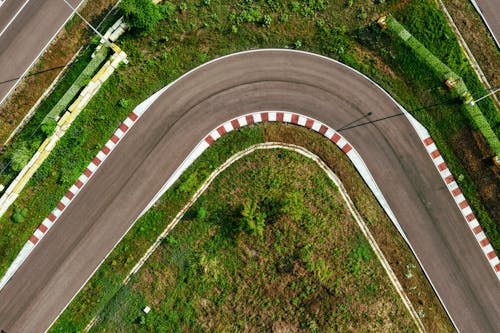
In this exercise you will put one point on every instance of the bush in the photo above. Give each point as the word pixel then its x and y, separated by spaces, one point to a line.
pixel 18 215
pixel 253 220
pixel 20 157
pixel 144 14
pixel 49 127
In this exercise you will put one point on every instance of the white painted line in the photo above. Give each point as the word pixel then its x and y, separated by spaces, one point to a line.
pixel 38 234
pixel 329 133
pixel 228 126
pixel 467 210
pixel 56 213
pixel 302 120
pixel 474 223
pixel 74 189
pixel 47 223
pixel 92 167
pixel 316 126
pixel 242 121
pixel 215 135
pixel 38 56
pixel 101 156
pixel 119 133
pixel 13 17
pixel 128 122
pixel 257 118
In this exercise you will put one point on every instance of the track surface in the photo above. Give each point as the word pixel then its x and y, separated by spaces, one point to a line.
pixel 182 116
pixel 490 10
pixel 27 29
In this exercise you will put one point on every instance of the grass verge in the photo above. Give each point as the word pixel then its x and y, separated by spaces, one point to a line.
pixel 34 132
pixel 200 31
pixel 270 245
pixel 49 65
pixel 477 37
pixel 107 281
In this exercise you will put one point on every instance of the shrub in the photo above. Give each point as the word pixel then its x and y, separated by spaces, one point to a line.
pixel 48 127
pixel 267 20
pixel 143 14
pixel 124 103
pixel 20 157
pixel 253 220
pixel 18 215
pixel 202 213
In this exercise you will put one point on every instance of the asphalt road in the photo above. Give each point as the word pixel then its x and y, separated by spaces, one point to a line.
pixel 198 103
pixel 26 28
pixel 491 13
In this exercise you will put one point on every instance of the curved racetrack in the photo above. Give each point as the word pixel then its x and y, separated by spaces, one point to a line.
pixel 210 95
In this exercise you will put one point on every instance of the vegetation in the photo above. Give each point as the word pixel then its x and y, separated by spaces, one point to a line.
pixel 108 279
pixel 144 14
pixel 34 132
pixel 81 81
pixel 203 30
pixel 20 157
pixel 315 274
pixel 60 52
pixel 444 73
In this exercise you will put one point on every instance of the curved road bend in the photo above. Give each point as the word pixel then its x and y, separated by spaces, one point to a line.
pixel 26 27
pixel 211 95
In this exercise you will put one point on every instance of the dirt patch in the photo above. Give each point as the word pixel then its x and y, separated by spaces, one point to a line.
pixel 486 176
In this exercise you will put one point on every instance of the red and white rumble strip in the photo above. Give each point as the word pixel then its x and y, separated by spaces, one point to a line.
pixel 462 204
pixel 457 195
pixel 69 196
pixel 258 117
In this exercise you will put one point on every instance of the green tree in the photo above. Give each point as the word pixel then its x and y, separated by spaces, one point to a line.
pixel 253 220
pixel 144 14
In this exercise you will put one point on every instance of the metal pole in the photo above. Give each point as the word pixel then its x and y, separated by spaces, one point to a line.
pixel 471 103
pixel 90 25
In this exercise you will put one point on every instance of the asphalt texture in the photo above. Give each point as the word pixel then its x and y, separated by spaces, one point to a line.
pixel 258 81
pixel 491 13
pixel 25 37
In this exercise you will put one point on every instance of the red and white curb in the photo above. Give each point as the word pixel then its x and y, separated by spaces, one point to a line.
pixel 463 205
pixel 284 117
pixel 73 191
pixel 253 118
pixel 457 195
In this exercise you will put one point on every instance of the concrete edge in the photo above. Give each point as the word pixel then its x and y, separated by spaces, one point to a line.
pixel 202 145
pixel 350 205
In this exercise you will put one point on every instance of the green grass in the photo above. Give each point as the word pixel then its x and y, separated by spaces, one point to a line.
pixel 107 280
pixel 32 134
pixel 103 286
pixel 81 81
pixel 199 32
pixel 313 270
pixel 444 73
pixel 422 93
